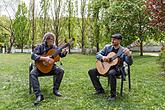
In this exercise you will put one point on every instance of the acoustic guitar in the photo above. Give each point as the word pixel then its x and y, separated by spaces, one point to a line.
pixel 45 67
pixel 103 67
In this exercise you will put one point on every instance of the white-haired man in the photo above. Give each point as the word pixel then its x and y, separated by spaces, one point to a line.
pixel 47 44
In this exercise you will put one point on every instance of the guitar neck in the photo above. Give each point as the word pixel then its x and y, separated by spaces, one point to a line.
pixel 119 54
pixel 59 50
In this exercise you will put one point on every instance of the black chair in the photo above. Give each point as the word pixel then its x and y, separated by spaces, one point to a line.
pixel 124 71
pixel 31 66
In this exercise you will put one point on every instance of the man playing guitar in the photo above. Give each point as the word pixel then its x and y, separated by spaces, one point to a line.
pixel 113 71
pixel 38 56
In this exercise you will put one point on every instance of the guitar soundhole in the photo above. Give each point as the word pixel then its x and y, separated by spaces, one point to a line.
pixel 45 63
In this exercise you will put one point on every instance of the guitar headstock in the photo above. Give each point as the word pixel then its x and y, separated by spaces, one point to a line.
pixel 71 41
pixel 134 44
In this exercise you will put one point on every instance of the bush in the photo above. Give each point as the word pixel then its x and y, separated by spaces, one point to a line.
pixel 162 59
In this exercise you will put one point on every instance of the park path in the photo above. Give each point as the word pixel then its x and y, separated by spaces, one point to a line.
pixel 151 53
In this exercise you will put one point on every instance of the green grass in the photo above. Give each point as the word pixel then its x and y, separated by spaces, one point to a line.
pixel 147 93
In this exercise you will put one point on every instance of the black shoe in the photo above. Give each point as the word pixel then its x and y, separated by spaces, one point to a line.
pixel 111 98
pixel 99 92
pixel 57 93
pixel 38 99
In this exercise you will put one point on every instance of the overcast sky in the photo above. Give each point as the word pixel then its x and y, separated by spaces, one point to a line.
pixel 13 4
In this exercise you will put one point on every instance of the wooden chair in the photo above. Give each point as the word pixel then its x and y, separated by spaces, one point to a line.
pixel 31 66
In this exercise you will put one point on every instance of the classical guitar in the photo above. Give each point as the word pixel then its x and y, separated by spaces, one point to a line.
pixel 45 67
pixel 103 67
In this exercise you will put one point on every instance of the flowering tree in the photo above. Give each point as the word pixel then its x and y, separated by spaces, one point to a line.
pixel 157 13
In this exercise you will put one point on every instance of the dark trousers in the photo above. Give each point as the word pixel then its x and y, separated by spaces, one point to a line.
pixel 93 73
pixel 58 72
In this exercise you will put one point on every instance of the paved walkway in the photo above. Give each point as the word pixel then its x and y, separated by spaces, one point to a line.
pixel 151 53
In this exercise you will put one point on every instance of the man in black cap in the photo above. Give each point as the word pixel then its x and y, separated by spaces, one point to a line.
pixel 114 70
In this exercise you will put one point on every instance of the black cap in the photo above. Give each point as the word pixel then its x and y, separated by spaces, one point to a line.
pixel 117 36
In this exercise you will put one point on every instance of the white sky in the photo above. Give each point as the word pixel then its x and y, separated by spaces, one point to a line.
pixel 13 4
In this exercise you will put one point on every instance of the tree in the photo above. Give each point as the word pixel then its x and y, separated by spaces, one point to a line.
pixel 21 29
pixel 44 24
pixel 83 25
pixel 96 5
pixel 32 8
pixel 130 19
pixel 156 11
pixel 9 26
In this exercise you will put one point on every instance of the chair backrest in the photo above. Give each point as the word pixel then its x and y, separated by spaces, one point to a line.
pixel 31 65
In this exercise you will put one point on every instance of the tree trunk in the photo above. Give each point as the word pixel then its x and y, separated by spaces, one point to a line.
pixel 69 24
pixel 141 47
pixel 141 34
pixel 33 25
pixel 22 48
pixel 97 47
pixel 97 31
pixel 141 42
pixel 82 42
pixel 11 43
pixel 57 21
pixel 57 34
pixel 83 26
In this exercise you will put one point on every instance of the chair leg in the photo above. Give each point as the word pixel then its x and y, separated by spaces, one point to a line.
pixel 129 78
pixel 108 81
pixel 30 85
pixel 121 89
pixel 54 77
pixel 122 81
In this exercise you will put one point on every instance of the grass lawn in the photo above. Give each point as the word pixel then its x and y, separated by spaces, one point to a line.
pixel 147 93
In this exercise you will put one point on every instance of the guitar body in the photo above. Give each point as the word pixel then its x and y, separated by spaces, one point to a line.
pixel 103 67
pixel 45 67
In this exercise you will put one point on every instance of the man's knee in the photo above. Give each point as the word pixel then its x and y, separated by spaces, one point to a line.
pixel 112 73
pixel 33 72
pixel 60 71
pixel 91 72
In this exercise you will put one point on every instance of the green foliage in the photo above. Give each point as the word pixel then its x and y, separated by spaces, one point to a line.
pixel 162 60
pixel 4 34
pixel 44 24
pixel 96 19
pixel 127 17
pixel 21 26
pixel 70 23
pixel 147 91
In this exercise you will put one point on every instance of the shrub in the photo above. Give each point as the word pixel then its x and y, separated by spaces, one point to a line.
pixel 162 59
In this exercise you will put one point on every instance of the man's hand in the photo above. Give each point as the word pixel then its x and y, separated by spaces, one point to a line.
pixel 127 52
pixel 49 60
pixel 64 51
pixel 105 59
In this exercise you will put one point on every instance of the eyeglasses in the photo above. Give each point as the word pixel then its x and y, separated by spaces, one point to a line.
pixel 49 38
